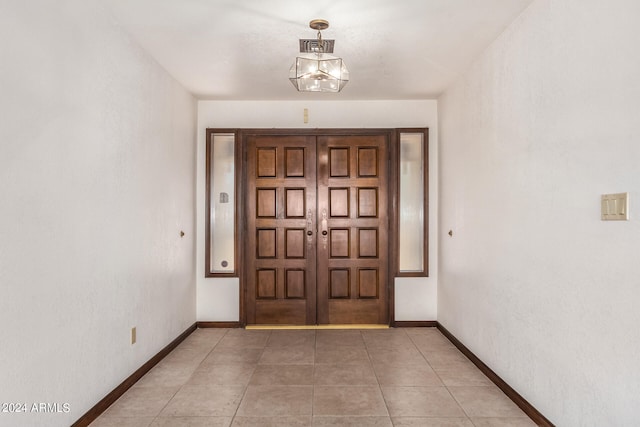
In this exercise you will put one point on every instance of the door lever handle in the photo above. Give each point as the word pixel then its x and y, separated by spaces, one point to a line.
pixel 323 224
pixel 309 226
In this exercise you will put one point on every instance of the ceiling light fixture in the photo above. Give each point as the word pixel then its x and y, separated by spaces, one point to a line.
pixel 314 70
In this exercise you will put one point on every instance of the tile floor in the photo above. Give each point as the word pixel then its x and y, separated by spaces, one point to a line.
pixel 393 377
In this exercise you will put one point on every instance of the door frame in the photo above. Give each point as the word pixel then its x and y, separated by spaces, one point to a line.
pixel 393 190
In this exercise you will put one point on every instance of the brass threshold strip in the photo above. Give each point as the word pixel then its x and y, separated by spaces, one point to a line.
pixel 291 327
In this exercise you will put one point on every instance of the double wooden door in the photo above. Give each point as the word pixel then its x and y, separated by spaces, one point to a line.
pixel 316 245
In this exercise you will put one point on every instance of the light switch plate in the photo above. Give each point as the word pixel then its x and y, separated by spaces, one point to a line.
pixel 615 207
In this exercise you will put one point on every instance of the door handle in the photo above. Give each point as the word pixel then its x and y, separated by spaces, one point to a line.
pixel 323 225
pixel 309 226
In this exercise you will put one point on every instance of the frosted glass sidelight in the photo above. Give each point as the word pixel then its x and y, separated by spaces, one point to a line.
pixel 222 204
pixel 412 223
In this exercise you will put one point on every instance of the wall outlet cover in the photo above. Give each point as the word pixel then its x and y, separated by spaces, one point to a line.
pixel 614 207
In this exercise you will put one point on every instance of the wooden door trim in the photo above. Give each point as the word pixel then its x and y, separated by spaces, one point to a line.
pixel 395 162
pixel 389 133
pixel 239 174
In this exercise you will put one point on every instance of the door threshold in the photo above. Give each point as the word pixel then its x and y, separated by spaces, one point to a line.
pixel 291 327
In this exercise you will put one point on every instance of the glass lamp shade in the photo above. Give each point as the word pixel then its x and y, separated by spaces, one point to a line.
pixel 318 72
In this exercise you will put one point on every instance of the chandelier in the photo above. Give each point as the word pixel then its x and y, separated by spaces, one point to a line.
pixel 315 70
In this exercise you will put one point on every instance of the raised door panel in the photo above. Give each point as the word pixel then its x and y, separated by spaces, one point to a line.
pixel 295 202
pixel 266 243
pixel 295 243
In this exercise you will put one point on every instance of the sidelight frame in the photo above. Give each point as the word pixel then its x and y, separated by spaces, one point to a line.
pixel 408 201
pixel 210 239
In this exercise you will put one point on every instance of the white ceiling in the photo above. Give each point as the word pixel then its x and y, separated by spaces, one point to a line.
pixel 243 49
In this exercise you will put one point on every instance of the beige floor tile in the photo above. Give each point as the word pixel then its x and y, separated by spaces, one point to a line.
pixel 180 362
pixel 141 402
pixel 421 331
pixel 352 422
pixel 353 374
pixel 167 374
pixel 388 333
pixel 214 374
pixel 192 422
pixel 204 338
pixel 283 375
pixel 431 342
pixel 276 401
pixel 431 422
pixel 385 331
pixel 247 332
pixel 463 376
pixel 188 354
pixel 296 355
pixel 256 336
pixel 503 422
pixel 426 332
pixel 122 422
pixel 204 401
pixel 386 339
pixel 248 340
pixel 341 355
pixel 292 338
pixel 206 335
pixel 230 356
pixel 487 401
pixel 348 401
pixel 334 338
pixel 421 402
pixel 447 359
pixel 198 344
pixel 406 375
pixel 300 421
pixel 397 356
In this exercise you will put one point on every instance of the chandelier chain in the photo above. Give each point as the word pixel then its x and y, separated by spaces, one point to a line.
pixel 320 42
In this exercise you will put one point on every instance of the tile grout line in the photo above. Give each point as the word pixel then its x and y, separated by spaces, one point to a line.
pixel 386 406
pixel 182 386
pixel 246 389
pixel 244 392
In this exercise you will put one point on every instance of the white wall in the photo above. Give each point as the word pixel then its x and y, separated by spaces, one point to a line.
pixel 97 178
pixel 218 299
pixel 532 281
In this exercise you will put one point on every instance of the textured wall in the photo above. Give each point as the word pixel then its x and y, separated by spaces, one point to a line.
pixel 97 178
pixel 218 299
pixel 532 281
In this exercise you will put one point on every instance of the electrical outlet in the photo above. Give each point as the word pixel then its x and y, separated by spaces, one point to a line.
pixel 133 335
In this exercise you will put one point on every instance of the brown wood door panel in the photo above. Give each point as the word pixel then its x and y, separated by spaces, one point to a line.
pixel 345 312
pixel 275 313
pixel 281 258
pixel 353 255
pixel 336 184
